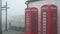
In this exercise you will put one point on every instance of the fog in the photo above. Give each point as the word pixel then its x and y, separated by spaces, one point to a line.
pixel 16 7
pixel 15 14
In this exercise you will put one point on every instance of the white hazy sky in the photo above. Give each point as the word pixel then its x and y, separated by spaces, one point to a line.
pixel 17 7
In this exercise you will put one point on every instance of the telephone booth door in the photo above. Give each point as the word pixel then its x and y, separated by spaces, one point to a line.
pixel 48 19
pixel 53 10
pixel 34 22
pixel 27 21
pixel 31 20
pixel 44 19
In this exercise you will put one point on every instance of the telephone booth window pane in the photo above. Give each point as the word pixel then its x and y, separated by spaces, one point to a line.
pixel 34 21
pixel 44 26
pixel 54 22
pixel 44 29
pixel 44 32
pixel 27 18
pixel 27 22
pixel 44 15
pixel 54 14
pixel 54 18
pixel 27 14
pixel 44 21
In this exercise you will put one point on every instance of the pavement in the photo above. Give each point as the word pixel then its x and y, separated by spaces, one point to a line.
pixel 12 32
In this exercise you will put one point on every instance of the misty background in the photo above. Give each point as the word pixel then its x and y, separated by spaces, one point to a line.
pixel 15 14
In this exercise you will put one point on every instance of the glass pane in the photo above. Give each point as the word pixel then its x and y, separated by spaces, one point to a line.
pixel 44 22
pixel 27 15
pixel 44 29
pixel 53 14
pixel 54 18
pixel 27 27
pixel 27 22
pixel 44 26
pixel 44 19
pixel 44 32
pixel 34 21
pixel 44 15
pixel 53 24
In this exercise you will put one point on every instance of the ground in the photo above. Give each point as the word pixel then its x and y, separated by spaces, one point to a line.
pixel 12 32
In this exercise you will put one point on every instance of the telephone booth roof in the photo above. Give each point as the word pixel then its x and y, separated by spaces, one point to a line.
pixel 48 5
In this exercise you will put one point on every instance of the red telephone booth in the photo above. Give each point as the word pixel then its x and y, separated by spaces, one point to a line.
pixel 31 20
pixel 27 20
pixel 48 19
